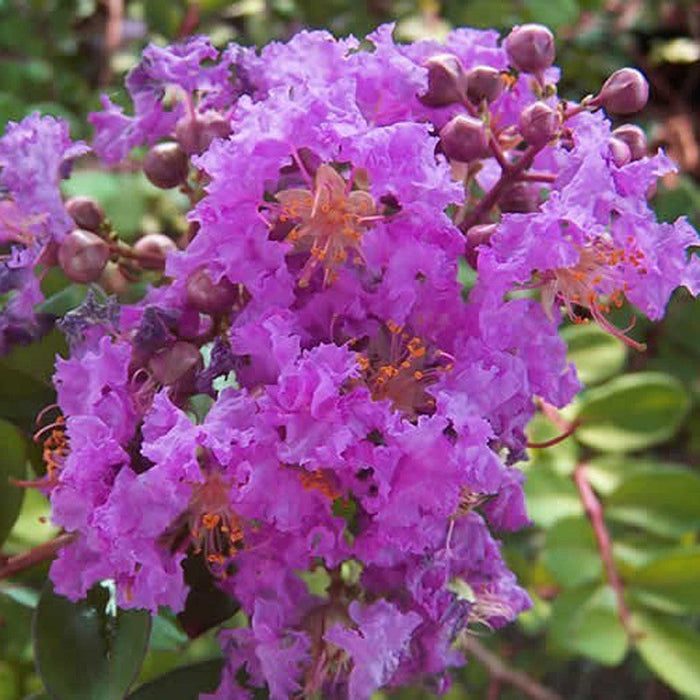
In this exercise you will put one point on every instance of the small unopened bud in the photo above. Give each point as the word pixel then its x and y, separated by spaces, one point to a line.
pixel 166 165
pixel 626 91
pixel 152 250
pixel 175 362
pixel 619 152
pixel 209 298
pixel 82 256
pixel 86 213
pixel 484 83
pixel 635 139
pixel 445 81
pixel 538 123
pixel 530 48
pixel 476 236
pixel 195 135
pixel 464 139
pixel 519 198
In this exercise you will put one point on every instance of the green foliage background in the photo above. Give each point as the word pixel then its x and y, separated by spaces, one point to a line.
pixel 640 414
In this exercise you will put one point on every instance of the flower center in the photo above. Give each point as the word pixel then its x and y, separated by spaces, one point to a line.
pixel 593 284
pixel 398 366
pixel 329 222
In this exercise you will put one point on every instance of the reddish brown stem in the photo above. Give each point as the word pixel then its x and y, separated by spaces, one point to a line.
pixel 36 555
pixel 570 430
pixel 594 511
pixel 500 672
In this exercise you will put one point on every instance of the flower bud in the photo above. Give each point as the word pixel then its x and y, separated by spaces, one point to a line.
pixel 635 139
pixel 530 48
pixel 175 362
pixel 82 255
pixel 464 139
pixel 538 123
pixel 195 135
pixel 166 165
pixel 445 80
pixel 86 213
pixel 152 250
pixel 209 298
pixel 476 236
pixel 626 91
pixel 619 152
pixel 483 83
pixel 519 198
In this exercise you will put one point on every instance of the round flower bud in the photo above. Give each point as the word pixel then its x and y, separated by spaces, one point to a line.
pixel 175 362
pixel 195 135
pixel 445 80
pixel 464 139
pixel 483 83
pixel 86 213
pixel 82 255
pixel 519 198
pixel 635 139
pixel 166 165
pixel 476 236
pixel 538 123
pixel 619 152
pixel 152 250
pixel 626 91
pixel 207 297
pixel 530 48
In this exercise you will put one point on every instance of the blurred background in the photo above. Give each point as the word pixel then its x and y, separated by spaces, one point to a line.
pixel 641 437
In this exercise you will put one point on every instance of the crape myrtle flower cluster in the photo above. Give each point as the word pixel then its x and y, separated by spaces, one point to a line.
pixel 361 418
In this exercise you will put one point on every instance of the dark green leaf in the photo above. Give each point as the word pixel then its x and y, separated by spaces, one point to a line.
pixel 13 465
pixel 671 650
pixel 570 552
pixel 632 412
pixel 184 683
pixel 550 496
pixel 86 649
pixel 596 354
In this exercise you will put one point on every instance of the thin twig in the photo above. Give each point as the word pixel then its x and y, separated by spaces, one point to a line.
pixel 502 673
pixel 594 511
pixel 36 555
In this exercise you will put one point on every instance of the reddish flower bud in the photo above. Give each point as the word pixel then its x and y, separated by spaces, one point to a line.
pixel 175 362
pixel 635 139
pixel 619 152
pixel 626 91
pixel 445 80
pixel 195 135
pixel 86 213
pixel 152 250
pixel 82 255
pixel 530 48
pixel 539 123
pixel 483 83
pixel 166 165
pixel 476 236
pixel 209 298
pixel 464 139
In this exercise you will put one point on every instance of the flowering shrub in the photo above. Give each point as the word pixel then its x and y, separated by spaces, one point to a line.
pixel 304 402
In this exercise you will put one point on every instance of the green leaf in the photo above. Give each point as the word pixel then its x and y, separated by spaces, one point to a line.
pixel 550 496
pixel 13 465
pixel 185 683
pixel 673 579
pixel 553 14
pixel 664 501
pixel 585 620
pixel 671 650
pixel 166 633
pixel 632 412
pixel 596 354
pixel 570 552
pixel 561 457
pixel 85 649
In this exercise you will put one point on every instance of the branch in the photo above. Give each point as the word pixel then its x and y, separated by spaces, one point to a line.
pixel 36 555
pixel 594 511
pixel 502 673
